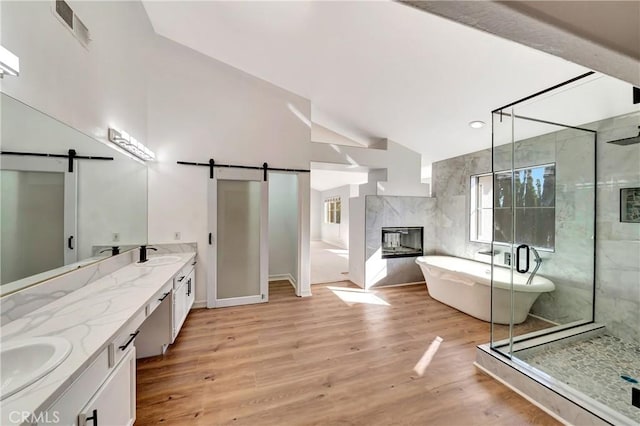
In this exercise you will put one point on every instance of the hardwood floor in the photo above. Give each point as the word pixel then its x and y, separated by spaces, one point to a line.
pixel 324 360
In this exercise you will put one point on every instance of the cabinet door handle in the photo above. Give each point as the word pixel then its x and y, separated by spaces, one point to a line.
pixel 164 296
pixel 132 336
pixel 189 287
pixel 194 262
pixel 180 279
pixel 94 418
pixel 210 238
pixel 70 242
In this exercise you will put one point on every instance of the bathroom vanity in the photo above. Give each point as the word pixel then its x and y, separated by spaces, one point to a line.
pixel 135 311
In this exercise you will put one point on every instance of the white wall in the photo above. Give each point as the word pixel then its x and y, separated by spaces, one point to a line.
pixel 336 233
pixel 283 226
pixel 200 108
pixel 111 194
pixel 357 238
pixel 316 215
pixel 403 166
pixel 182 104
pixel 88 88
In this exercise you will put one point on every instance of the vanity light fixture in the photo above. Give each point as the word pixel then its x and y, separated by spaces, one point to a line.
pixel 9 63
pixel 477 124
pixel 130 144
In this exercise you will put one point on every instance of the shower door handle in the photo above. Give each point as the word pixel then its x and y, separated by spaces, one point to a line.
pixel 526 264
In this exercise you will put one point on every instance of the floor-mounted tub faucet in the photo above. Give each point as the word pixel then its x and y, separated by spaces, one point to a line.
pixel 538 261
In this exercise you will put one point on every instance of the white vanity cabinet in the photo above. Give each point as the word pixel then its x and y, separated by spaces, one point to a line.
pixel 115 401
pixel 101 395
pixel 191 290
pixel 167 312
pixel 96 384
pixel 183 297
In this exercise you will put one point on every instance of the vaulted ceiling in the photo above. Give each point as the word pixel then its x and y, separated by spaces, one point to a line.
pixel 371 69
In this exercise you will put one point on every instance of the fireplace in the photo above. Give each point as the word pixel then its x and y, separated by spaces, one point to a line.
pixel 402 242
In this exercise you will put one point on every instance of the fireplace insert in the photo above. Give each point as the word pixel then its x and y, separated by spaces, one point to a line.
pixel 402 242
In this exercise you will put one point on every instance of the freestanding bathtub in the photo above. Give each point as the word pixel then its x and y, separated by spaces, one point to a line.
pixel 466 285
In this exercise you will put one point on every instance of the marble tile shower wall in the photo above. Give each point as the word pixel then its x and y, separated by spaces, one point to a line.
pixel 618 248
pixel 570 266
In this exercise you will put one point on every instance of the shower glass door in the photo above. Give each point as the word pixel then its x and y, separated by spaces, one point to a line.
pixel 238 247
pixel 503 232
pixel 544 224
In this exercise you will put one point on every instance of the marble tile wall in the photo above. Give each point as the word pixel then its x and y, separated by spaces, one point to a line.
pixel 618 248
pixel 389 211
pixel 571 265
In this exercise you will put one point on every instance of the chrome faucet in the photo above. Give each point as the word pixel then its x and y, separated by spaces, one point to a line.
pixel 538 261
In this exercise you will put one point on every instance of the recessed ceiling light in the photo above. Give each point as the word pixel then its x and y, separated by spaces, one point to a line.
pixel 477 124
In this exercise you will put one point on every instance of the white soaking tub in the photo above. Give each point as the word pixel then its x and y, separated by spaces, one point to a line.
pixel 466 285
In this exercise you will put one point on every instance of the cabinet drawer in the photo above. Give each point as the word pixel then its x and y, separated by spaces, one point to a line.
pixel 119 345
pixel 164 292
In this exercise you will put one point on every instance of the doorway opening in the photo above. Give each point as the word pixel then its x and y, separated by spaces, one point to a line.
pixel 332 188
pixel 283 234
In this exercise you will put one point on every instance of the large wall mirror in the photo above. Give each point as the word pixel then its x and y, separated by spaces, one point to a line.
pixel 53 220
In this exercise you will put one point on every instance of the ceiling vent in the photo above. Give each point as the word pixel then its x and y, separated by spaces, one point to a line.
pixel 69 19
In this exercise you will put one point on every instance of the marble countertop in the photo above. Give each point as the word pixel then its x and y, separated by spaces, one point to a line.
pixel 89 318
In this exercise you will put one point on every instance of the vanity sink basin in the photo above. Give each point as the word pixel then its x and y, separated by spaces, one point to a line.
pixel 24 361
pixel 159 261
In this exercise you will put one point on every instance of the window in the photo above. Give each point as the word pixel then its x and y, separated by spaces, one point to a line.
pixel 482 213
pixel 332 209
pixel 533 192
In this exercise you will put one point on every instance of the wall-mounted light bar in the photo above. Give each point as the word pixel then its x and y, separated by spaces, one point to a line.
pixel 9 63
pixel 130 144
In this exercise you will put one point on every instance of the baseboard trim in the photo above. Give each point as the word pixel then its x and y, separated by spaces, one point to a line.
pixel 283 277
pixel 544 319
pixel 199 304
pixel 396 285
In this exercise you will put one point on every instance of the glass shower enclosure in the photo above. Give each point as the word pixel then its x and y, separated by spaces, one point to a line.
pixel 566 284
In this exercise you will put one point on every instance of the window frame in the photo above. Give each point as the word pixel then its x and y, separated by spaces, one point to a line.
pixel 474 209
pixel 333 210
pixel 474 202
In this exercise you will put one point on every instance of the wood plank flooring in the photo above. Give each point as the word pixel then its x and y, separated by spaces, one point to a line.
pixel 327 361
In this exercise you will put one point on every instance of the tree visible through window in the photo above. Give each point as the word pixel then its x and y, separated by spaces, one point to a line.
pixel 332 210
pixel 533 194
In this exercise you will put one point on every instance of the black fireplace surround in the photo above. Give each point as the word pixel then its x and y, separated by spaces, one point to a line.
pixel 402 242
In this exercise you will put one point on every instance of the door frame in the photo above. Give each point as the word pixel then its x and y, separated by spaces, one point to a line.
pixel 212 208
pixel 55 165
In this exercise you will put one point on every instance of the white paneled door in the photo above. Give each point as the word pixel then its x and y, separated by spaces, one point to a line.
pixel 238 238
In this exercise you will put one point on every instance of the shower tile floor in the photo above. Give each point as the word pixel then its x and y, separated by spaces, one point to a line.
pixel 593 367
